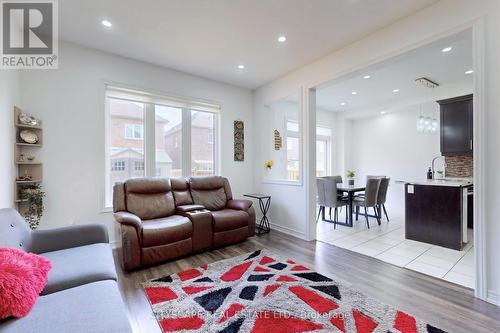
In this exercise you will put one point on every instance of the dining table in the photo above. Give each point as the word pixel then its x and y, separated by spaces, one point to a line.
pixel 350 190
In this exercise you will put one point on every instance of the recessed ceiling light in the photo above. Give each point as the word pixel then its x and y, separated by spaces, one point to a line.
pixel 241 66
pixel 106 23
pixel 446 49
pixel 366 77
pixel 395 90
pixel 470 71
pixel 343 103
pixel 282 39
pixel 383 112
pixel 354 93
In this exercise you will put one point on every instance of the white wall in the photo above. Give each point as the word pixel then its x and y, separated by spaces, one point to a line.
pixel 444 17
pixel 70 101
pixel 390 145
pixel 9 96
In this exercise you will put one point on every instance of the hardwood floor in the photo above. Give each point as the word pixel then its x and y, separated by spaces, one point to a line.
pixel 450 307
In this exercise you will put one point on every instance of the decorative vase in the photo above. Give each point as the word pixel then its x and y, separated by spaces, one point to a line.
pixel 350 181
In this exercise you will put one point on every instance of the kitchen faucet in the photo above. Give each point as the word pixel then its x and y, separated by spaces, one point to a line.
pixel 434 160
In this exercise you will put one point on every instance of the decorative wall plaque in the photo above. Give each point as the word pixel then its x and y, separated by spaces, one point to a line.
pixel 239 141
pixel 277 140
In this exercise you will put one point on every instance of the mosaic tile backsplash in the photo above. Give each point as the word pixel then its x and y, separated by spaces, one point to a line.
pixel 459 166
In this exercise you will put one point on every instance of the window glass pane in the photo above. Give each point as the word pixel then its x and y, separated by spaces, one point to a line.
pixel 126 150
pixel 168 128
pixel 323 131
pixel 292 152
pixel 292 126
pixel 321 158
pixel 202 143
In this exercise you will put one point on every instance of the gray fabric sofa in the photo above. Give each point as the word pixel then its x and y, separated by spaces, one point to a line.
pixel 82 294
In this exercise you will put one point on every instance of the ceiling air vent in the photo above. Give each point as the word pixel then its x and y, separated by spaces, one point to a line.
pixel 426 82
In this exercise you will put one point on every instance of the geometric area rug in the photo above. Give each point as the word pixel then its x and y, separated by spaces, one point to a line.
pixel 261 292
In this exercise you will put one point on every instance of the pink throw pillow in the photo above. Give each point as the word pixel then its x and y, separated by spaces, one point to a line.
pixel 22 277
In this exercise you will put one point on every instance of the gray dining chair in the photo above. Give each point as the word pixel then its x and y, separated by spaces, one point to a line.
pixel 337 179
pixel 369 200
pixel 382 196
pixel 327 197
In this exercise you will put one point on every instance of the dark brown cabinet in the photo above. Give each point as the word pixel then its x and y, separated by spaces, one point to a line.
pixel 456 125
pixel 433 214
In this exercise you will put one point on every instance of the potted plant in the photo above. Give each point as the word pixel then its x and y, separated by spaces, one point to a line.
pixel 350 176
pixel 269 164
pixel 33 195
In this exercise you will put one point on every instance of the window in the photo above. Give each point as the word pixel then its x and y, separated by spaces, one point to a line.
pixel 292 158
pixel 139 166
pixel 169 152
pixel 180 137
pixel 202 151
pixel 126 119
pixel 134 131
pixel 292 151
pixel 118 166
pixel 323 151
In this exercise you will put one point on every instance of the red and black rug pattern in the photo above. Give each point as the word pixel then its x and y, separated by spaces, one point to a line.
pixel 262 293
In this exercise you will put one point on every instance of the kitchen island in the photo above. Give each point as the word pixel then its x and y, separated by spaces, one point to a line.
pixel 436 211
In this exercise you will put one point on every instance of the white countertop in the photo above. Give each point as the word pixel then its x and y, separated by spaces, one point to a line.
pixel 453 182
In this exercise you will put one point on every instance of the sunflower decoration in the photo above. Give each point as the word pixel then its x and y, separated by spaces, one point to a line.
pixel 269 164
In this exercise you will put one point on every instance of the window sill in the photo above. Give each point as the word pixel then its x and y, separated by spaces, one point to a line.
pixel 282 182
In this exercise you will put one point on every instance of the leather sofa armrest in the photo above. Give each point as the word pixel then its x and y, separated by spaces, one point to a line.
pixel 188 208
pixel 240 204
pixel 128 219
pixel 202 228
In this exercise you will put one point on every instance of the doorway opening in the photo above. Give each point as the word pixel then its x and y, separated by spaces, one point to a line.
pixel 398 123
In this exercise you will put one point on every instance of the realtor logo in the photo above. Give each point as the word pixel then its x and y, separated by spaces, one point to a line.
pixel 29 37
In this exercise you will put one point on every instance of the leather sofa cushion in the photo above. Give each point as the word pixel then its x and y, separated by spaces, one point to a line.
pixel 147 185
pixel 181 192
pixel 79 265
pixel 166 230
pixel 151 206
pixel 206 183
pixel 210 199
pixel 209 192
pixel 229 219
pixel 182 198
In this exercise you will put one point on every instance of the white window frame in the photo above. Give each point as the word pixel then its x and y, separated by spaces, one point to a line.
pixel 150 100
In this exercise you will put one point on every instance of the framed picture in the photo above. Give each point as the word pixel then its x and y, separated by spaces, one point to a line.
pixel 239 141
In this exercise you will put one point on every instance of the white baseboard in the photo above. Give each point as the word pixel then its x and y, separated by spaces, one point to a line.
pixel 283 229
pixel 493 297
pixel 288 231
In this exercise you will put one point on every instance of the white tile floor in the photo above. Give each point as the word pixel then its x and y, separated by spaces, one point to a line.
pixel 387 242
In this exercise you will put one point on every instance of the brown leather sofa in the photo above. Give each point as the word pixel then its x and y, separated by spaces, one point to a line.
pixel 162 219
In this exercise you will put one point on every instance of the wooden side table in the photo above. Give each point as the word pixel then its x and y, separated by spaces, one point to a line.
pixel 264 204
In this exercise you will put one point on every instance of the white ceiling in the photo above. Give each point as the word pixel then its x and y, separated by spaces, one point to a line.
pixel 210 38
pixel 376 94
